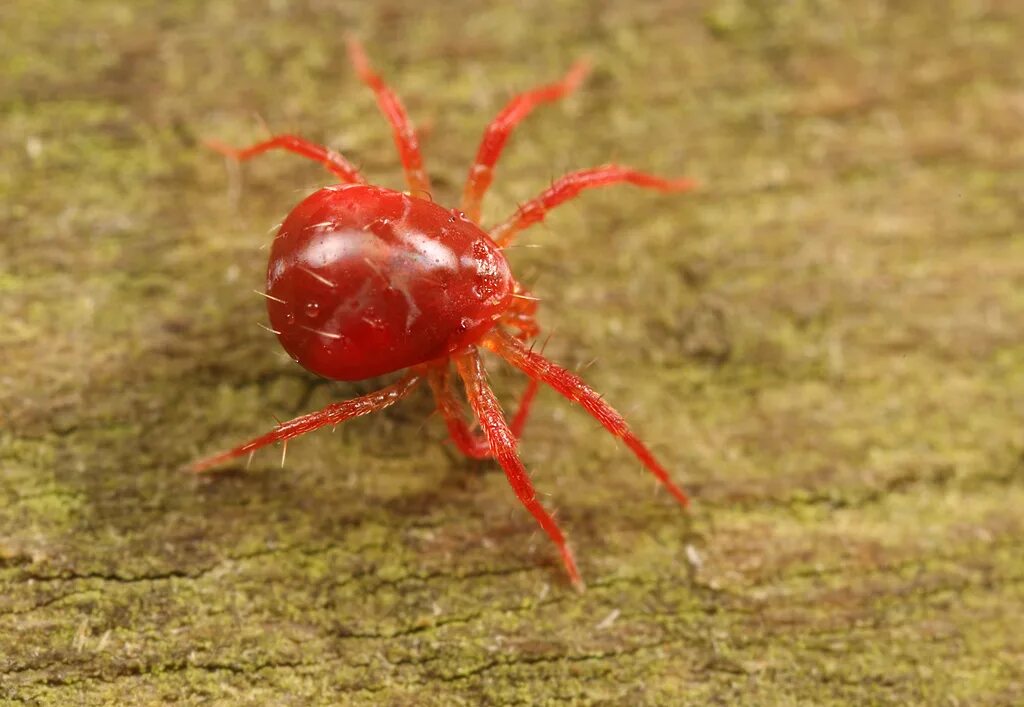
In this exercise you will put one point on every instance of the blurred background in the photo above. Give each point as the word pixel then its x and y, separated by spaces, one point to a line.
pixel 824 344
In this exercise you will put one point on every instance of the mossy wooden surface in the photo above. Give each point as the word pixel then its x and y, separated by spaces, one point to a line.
pixel 825 345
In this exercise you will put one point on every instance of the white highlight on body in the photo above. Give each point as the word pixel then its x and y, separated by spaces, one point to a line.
pixel 332 246
pixel 432 250
pixel 433 255
pixel 399 269
pixel 276 271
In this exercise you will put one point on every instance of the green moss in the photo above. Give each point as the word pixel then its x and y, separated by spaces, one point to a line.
pixel 823 344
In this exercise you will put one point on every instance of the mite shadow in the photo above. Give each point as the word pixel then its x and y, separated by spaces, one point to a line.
pixel 133 487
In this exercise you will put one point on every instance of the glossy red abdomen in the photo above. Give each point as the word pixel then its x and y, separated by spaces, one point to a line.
pixel 364 281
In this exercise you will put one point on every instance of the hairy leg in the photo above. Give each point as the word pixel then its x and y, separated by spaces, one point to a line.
pixel 572 387
pixel 471 444
pixel 333 414
pixel 522 314
pixel 497 133
pixel 572 184
pixel 392 108
pixel 503 448
pixel 525 404
pixel 337 164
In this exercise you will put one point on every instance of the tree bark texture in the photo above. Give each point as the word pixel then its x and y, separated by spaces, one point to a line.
pixel 824 345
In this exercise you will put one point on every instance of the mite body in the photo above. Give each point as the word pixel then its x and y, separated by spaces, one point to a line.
pixel 363 281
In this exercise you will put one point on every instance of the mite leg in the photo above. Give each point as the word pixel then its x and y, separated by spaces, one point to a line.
pixel 521 316
pixel 519 421
pixel 572 184
pixel 522 313
pixel 472 445
pixel 331 415
pixel 482 171
pixel 572 387
pixel 337 164
pixel 392 108
pixel 503 448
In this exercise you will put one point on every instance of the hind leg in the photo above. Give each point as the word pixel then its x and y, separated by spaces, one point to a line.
pixel 503 448
pixel 333 414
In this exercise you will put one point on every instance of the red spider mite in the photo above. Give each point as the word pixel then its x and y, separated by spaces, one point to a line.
pixel 364 281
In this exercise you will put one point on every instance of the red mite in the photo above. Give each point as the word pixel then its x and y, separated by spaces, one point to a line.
pixel 364 281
